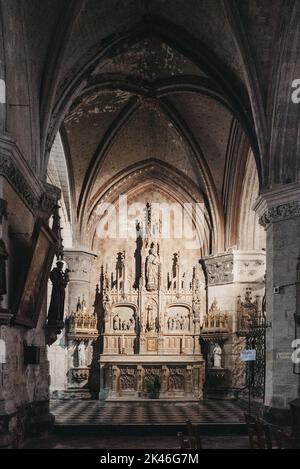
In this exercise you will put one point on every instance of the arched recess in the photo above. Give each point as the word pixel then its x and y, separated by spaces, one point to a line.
pixel 147 177
pixel 252 236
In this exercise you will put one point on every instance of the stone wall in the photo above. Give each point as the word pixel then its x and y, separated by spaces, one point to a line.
pixel 24 388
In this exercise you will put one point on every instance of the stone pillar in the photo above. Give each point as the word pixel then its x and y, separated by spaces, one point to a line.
pixel 80 264
pixel 229 276
pixel 5 315
pixel 279 212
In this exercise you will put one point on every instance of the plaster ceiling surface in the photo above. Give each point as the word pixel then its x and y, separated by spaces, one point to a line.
pixel 210 123
pixel 148 135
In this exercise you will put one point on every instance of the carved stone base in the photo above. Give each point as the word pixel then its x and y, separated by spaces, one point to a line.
pixel 139 377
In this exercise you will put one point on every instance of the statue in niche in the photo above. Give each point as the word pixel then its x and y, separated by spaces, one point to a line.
pixel 217 356
pixel 131 324
pixel 3 259
pixel 152 266
pixel 181 322
pixel 157 325
pixel 186 325
pixel 60 280
pixel 116 322
pixel 152 320
pixel 81 354
pixel 151 324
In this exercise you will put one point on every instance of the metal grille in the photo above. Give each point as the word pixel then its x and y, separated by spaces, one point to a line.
pixel 256 372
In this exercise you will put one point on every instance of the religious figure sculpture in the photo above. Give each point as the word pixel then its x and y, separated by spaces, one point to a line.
pixel 81 354
pixel 186 323
pixel 131 324
pixel 116 323
pixel 60 280
pixel 3 259
pixel 152 265
pixel 181 322
pixel 217 356
pixel 157 325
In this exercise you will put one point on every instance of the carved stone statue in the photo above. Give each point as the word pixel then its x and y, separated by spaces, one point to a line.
pixel 60 280
pixel 131 324
pixel 181 322
pixel 217 356
pixel 186 325
pixel 81 354
pixel 116 322
pixel 157 324
pixel 152 266
pixel 3 259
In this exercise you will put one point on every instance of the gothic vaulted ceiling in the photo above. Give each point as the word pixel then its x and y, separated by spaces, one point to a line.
pixel 180 84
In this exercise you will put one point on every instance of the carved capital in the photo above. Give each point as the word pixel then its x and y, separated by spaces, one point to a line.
pixel 11 172
pixel 281 203
pixel 279 213
pixel 220 269
pixel 35 194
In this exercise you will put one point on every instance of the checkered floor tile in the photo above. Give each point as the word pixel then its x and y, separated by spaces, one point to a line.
pixel 142 413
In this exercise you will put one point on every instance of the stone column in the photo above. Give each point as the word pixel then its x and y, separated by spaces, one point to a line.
pixel 229 276
pixel 279 212
pixel 80 264
pixel 5 316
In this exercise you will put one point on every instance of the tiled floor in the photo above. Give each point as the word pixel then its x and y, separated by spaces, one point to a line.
pixel 75 419
pixel 144 413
